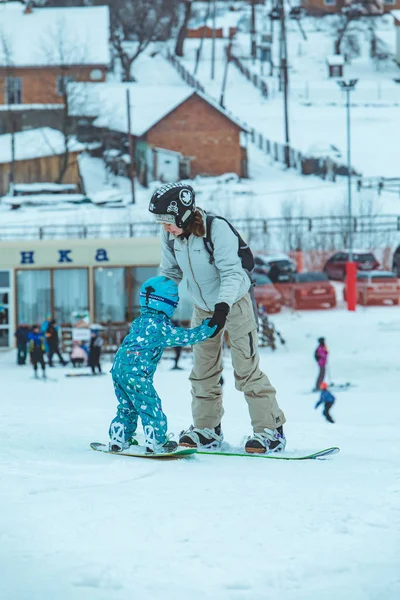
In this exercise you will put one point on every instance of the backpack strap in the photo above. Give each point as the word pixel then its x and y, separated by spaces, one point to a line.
pixel 208 245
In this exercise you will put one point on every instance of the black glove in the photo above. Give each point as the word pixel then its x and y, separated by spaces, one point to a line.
pixel 221 311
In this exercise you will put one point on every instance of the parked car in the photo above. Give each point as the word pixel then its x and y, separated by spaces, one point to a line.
pixel 335 266
pixel 396 261
pixel 308 290
pixel 265 292
pixel 376 287
pixel 278 267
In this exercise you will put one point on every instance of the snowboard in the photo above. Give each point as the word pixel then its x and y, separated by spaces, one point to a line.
pixel 341 386
pixel 83 374
pixel 320 454
pixel 141 453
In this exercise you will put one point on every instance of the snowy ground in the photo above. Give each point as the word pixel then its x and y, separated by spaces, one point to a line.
pixel 78 525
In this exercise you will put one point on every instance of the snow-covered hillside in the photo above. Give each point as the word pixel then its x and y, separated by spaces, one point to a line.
pixel 78 525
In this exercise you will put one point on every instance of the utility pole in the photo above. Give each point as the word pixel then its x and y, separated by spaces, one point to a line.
pixel 253 33
pixel 228 59
pixel 203 35
pixel 214 16
pixel 131 149
pixel 351 267
pixel 284 78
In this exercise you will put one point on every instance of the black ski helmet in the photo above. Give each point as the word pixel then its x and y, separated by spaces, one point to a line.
pixel 173 203
pixel 321 340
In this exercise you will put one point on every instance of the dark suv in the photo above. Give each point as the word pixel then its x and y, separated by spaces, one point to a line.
pixel 335 266
pixel 279 267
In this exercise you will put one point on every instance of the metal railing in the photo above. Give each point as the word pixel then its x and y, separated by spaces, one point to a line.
pixel 248 227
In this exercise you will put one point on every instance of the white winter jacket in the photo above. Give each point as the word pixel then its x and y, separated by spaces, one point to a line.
pixel 224 280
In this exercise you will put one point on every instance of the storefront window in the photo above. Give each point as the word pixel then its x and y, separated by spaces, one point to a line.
pixel 33 296
pixel 4 279
pixel 110 295
pixel 70 293
pixel 139 276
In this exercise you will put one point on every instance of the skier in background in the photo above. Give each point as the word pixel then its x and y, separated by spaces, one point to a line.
pixel 135 364
pixel 96 344
pixel 53 343
pixel 328 400
pixel 321 356
pixel 37 350
pixel 21 337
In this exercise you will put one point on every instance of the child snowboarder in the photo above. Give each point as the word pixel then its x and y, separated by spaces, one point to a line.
pixel 37 350
pixel 135 364
pixel 328 399
pixel 321 356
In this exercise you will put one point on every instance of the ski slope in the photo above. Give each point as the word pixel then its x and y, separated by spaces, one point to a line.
pixel 80 525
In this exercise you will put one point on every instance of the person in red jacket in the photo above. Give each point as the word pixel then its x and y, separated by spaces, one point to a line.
pixel 321 356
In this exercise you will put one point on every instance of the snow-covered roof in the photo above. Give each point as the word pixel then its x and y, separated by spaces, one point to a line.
pixel 396 15
pixel 335 60
pixel 149 104
pixel 54 36
pixel 35 143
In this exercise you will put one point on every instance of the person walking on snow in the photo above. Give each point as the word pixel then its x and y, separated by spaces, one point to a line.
pixel 219 286
pixel 321 356
pixel 136 362
pixel 37 350
pixel 21 337
pixel 96 344
pixel 53 343
pixel 328 400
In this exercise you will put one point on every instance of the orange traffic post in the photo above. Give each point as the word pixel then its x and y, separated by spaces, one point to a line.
pixel 351 285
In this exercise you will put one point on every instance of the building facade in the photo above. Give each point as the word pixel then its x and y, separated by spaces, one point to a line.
pixel 327 7
pixel 61 277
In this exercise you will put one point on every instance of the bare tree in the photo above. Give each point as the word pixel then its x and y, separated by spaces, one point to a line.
pixel 137 23
pixel 6 59
pixel 65 51
pixel 182 33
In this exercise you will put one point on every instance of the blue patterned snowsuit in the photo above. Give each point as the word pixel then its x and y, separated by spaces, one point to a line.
pixel 135 364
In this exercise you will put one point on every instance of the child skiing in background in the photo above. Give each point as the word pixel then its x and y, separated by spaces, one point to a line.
pixel 136 362
pixel 37 350
pixel 321 356
pixel 328 400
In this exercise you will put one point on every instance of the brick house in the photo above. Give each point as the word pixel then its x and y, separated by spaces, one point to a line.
pixel 45 48
pixel 396 17
pixel 37 154
pixel 180 120
pixel 326 7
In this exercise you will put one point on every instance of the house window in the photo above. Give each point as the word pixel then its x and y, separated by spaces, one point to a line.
pixel 13 90
pixel 391 2
pixel 330 2
pixel 61 83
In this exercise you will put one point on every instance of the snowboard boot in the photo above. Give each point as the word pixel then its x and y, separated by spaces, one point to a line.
pixel 266 442
pixel 196 437
pixel 117 441
pixel 154 447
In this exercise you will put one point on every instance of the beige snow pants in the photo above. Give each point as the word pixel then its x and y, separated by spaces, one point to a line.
pixel 207 409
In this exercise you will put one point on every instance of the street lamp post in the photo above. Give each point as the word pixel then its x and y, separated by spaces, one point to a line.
pixel 351 267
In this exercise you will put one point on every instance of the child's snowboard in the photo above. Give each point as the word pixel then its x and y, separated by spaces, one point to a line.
pixel 141 452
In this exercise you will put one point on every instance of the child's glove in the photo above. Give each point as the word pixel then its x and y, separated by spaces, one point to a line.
pixel 221 312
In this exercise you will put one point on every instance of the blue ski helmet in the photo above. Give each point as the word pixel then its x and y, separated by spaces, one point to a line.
pixel 160 293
